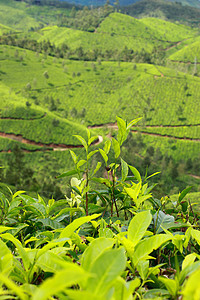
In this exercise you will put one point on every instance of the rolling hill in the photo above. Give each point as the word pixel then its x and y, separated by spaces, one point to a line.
pixel 146 35
pixel 188 54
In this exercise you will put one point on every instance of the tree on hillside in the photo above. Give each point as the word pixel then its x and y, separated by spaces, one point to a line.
pixel 73 12
pixel 18 173
pixel 46 75
pixel 46 177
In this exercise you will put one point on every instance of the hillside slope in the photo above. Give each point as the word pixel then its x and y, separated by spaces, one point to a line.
pixel 93 94
pixel 190 53
pixel 133 36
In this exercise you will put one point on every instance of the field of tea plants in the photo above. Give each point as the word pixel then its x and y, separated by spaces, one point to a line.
pixel 5 29
pixel 181 132
pixel 189 53
pixel 7 145
pixel 97 40
pixel 179 149
pixel 13 14
pixel 68 82
pixel 92 93
pixel 22 17
pixel 147 28
pixel 48 130
pixel 118 29
pixel 169 31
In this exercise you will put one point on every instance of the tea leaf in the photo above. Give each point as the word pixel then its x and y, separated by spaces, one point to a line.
pixel 138 226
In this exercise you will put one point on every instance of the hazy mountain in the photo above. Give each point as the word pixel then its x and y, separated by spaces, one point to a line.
pixel 194 3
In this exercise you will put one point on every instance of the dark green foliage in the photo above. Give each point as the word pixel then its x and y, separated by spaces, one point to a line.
pixel 86 19
pixel 17 173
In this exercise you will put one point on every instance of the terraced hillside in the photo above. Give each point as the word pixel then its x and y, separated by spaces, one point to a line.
pixel 47 99
pixel 13 14
pixel 5 30
pixel 188 54
pixel 30 124
pixel 22 16
pixel 116 29
pixel 148 28
pixel 93 94
pixel 99 41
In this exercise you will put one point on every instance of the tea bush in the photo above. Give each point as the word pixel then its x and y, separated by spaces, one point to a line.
pixel 118 242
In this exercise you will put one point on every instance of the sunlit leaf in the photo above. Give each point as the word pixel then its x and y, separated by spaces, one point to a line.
pixel 69 173
pixel 116 148
pixel 138 226
pixel 124 171
pixel 71 228
pixel 135 173
pixel 94 250
pixel 106 268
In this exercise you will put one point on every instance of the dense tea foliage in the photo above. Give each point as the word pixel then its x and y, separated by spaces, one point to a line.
pixel 118 242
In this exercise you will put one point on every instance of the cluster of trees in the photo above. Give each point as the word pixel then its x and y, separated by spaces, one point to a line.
pixel 86 19
pixel 156 56
pixel 16 172
pixel 39 47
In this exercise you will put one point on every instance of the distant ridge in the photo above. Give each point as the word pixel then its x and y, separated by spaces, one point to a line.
pixel 164 10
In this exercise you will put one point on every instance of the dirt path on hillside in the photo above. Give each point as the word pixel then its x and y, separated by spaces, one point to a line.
pixel 161 74
pixel 107 125
pixel 114 126
pixel 64 147
pixel 173 46
pixel 185 62
pixel 194 176
pixel 51 146
pixel 23 119
pixel 166 136
pixel 171 126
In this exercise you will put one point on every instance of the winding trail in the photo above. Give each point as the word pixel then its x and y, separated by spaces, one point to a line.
pixel 173 46
pixel 194 176
pixel 185 62
pixel 166 136
pixel 49 147
pixel 24 119
pixel 114 126
pixel 64 147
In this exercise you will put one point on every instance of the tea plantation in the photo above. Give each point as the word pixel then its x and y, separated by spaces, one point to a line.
pixel 100 124
pixel 57 81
